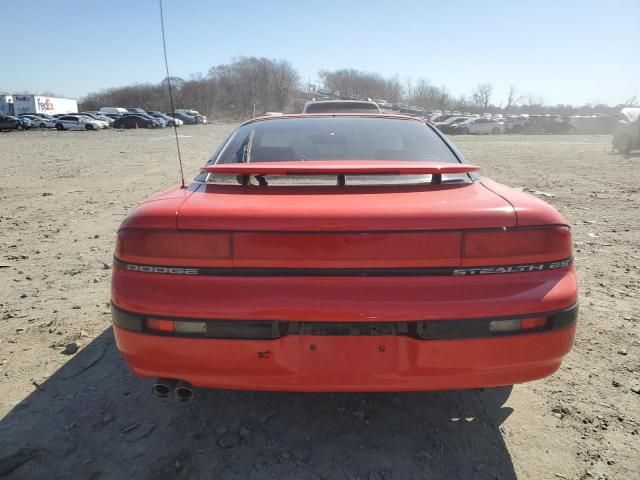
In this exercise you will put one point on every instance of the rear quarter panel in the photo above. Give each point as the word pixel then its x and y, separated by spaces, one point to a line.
pixel 529 210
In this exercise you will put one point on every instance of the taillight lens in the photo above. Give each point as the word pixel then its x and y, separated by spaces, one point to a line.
pixel 161 247
pixel 512 246
pixel 160 325
pixel 186 327
pixel 517 324
pixel 535 322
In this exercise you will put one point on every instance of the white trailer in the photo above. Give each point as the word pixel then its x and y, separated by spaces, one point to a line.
pixel 6 104
pixel 43 104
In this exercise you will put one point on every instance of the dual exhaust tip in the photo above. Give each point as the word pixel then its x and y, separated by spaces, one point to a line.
pixel 165 387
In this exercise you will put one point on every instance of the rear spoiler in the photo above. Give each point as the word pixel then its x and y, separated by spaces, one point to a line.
pixel 342 168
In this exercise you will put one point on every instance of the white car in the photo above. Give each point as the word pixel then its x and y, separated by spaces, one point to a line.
pixel 39 122
pixel 102 123
pixel 193 113
pixel 77 122
pixel 479 126
pixel 99 117
pixel 113 111
pixel 514 124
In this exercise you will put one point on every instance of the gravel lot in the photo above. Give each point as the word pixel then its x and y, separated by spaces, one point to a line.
pixel 83 415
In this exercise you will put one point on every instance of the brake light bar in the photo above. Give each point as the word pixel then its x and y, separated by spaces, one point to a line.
pixel 172 247
pixel 160 250
pixel 516 245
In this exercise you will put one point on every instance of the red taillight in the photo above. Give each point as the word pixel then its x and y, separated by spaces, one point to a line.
pixel 161 247
pixel 517 324
pixel 160 325
pixel 536 322
pixel 511 246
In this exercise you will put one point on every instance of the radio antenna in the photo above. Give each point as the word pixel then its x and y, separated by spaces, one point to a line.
pixel 166 66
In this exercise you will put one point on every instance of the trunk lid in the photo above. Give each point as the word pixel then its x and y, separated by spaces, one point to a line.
pixel 345 227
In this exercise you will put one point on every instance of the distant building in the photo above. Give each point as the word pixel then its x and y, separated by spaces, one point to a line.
pixel 17 104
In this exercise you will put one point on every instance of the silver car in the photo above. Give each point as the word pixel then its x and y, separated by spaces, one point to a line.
pixel 77 122
pixel 39 122
pixel 479 126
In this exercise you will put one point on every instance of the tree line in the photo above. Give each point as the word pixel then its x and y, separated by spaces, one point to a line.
pixel 250 85
pixel 241 88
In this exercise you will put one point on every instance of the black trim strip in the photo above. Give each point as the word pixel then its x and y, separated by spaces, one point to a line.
pixel 341 272
pixel 273 329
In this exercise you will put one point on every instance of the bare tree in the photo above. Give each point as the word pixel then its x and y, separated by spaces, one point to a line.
pixel 285 79
pixel 631 102
pixel 512 98
pixel 534 103
pixel 481 96
pixel 233 89
pixel 392 89
pixel 354 83
pixel 409 90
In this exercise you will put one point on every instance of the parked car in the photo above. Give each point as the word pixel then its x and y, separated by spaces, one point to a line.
pixel 478 126
pixel 9 122
pixel 113 110
pixel 170 121
pixel 193 113
pixel 441 118
pixel 285 264
pixel 448 126
pixel 593 124
pixel 539 124
pixel 99 116
pixel 514 124
pixel 38 122
pixel 140 111
pixel 340 106
pixel 626 136
pixel 76 122
pixel 27 123
pixel 99 121
pixel 186 119
pixel 160 122
pixel 135 121
pixel 46 116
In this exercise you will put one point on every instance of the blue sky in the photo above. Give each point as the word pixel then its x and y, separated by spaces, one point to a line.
pixel 565 51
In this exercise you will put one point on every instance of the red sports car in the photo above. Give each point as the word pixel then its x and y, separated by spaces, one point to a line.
pixel 345 252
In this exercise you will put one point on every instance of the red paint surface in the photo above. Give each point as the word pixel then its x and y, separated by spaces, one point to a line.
pixel 448 225
pixel 340 167
pixel 317 363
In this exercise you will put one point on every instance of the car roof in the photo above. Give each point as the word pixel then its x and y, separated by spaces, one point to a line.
pixel 631 113
pixel 341 101
pixel 358 104
pixel 320 115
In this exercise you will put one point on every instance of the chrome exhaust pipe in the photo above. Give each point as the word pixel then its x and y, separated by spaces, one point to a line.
pixel 163 387
pixel 183 392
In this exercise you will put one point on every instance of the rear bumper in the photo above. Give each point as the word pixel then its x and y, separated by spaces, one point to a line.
pixel 337 363
pixel 363 362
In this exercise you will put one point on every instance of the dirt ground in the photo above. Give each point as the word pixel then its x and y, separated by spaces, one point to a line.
pixel 83 415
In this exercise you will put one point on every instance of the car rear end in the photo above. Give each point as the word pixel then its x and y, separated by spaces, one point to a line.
pixel 344 287
pixel 357 328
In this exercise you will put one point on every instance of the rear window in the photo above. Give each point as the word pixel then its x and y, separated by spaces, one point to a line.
pixel 333 138
pixel 342 107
